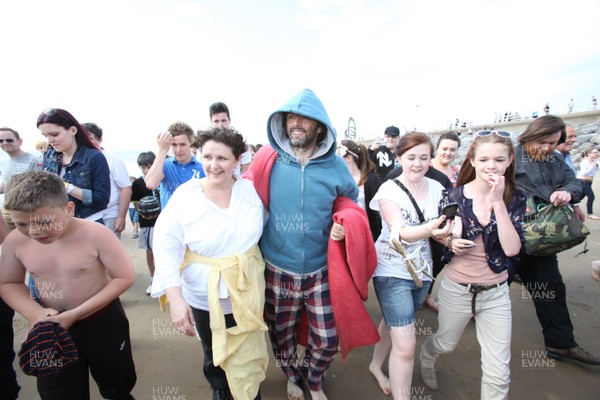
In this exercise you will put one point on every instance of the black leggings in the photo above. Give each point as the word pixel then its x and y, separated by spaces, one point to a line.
pixel 437 251
pixel 587 191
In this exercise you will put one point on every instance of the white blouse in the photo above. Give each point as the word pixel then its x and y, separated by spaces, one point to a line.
pixel 390 262
pixel 191 220
pixel 587 168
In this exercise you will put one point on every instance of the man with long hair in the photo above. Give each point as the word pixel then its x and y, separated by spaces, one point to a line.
pixel 543 174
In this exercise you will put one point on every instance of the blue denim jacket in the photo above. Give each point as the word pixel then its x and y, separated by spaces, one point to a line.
pixel 89 172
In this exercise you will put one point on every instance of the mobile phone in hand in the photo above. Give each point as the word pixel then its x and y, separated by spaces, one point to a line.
pixel 469 245
pixel 450 212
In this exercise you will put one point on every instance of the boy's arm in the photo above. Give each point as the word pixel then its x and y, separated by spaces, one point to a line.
pixel 156 173
pixel 113 255
pixel 124 184
pixel 124 200
pixel 13 290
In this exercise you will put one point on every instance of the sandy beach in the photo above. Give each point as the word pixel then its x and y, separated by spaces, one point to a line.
pixel 169 364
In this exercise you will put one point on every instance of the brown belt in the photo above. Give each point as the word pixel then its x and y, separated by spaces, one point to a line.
pixel 476 289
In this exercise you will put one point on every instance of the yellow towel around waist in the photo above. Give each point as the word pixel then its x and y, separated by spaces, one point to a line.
pixel 241 351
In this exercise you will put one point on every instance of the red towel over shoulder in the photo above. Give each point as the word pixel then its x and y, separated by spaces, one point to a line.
pixel 351 263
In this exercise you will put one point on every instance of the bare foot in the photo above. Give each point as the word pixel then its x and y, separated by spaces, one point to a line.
pixel 431 303
pixel 596 269
pixel 319 395
pixel 294 392
pixel 384 381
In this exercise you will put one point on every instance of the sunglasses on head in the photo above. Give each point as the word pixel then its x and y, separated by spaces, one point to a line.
pixel 51 111
pixel 504 134
pixel 345 151
pixel 48 112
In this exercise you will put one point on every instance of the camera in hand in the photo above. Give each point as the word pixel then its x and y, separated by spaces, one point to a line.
pixel 149 207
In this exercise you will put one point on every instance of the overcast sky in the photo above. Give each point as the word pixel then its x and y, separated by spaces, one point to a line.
pixel 134 67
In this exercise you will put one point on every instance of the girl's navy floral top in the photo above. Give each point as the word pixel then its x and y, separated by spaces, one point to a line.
pixel 496 259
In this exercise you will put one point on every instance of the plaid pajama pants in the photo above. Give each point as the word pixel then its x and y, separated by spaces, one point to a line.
pixel 286 296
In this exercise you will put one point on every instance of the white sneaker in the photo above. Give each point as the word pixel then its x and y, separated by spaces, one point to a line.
pixel 428 373
pixel 429 377
pixel 149 288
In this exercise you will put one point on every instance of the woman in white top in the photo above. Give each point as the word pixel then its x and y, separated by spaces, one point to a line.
pixel 399 294
pixel 587 169
pixel 208 223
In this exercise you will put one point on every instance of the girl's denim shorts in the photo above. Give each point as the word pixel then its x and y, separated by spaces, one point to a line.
pixel 399 299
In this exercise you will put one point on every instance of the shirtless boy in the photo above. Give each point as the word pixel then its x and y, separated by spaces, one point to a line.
pixel 80 269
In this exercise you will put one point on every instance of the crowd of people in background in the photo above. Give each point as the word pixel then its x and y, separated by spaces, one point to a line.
pixel 284 219
pixel 508 116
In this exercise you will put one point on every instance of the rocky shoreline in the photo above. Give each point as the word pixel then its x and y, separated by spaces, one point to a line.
pixel 588 136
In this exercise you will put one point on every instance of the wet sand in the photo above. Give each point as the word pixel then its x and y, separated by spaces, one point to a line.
pixel 169 365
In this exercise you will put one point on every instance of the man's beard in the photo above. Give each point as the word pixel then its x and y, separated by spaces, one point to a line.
pixel 308 140
pixel 537 154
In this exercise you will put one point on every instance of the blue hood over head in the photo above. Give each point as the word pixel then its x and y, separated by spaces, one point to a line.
pixel 307 104
pixel 301 199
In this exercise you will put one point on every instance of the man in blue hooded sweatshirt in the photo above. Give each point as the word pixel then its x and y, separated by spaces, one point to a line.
pixel 304 181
